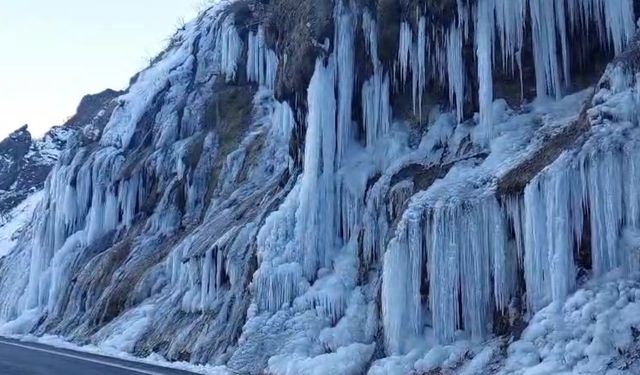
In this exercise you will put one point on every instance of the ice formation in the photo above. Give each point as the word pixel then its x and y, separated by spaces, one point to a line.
pixel 500 26
pixel 376 106
pixel 484 52
pixel 330 230
pixel 262 62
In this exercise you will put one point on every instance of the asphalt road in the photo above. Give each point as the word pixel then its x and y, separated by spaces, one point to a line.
pixel 20 358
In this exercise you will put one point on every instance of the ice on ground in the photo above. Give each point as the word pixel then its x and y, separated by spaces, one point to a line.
pixel 108 351
pixel 596 331
pixel 349 360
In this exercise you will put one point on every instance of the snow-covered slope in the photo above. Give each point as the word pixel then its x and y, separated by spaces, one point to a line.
pixel 305 187
pixel 16 221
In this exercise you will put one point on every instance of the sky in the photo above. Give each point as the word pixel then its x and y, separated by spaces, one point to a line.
pixel 53 52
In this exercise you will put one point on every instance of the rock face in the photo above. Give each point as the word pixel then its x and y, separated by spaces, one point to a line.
pixel 26 162
pixel 316 187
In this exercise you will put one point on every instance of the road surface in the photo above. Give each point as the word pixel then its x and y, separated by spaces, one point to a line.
pixel 21 358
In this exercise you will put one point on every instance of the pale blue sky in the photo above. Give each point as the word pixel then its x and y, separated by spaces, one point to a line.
pixel 52 52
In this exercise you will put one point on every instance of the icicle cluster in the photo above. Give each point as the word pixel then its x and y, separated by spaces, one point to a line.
pixel 499 25
pixel 593 191
pixel 230 46
pixel 262 62
pixel 376 106
pixel 468 248
pixel 461 249
pixel 307 247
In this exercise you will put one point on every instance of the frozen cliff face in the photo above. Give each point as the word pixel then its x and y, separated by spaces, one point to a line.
pixel 26 163
pixel 345 191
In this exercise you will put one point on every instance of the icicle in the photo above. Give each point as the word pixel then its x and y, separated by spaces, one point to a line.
pixel 504 265
pixel 456 71
pixel 253 63
pixel 466 248
pixel 376 106
pixel 230 47
pixel 554 213
pixel 510 23
pixel 614 20
pixel 279 286
pixel 484 53
pixel 470 269
pixel 535 260
pixel 404 51
pixel 620 20
pixel 445 272
pixel 561 24
pixel 438 54
pixel 605 201
pixel 543 23
pixel 463 17
pixel 631 234
pixel 375 226
pixel 395 300
pixel 351 189
pixel 316 215
pixel 420 69
pixel 345 64
pixel 262 62
pixel 412 58
pixel 283 119
pixel 279 277
pixel 376 109
pixel 401 280
pixel 514 207
pixel 553 225
pixel 130 191
pixel 208 278
pixel 369 30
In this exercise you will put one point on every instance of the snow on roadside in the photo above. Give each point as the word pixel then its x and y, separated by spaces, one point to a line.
pixel 16 221
pixel 153 359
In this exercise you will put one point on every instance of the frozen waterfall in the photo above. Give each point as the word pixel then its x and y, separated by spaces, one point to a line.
pixel 354 221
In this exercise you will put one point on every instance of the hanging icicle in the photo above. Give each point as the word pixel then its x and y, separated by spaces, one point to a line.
pixel 230 47
pixel 484 53
pixel 345 77
pixel 376 106
pixel 456 71
pixel 470 270
pixel 262 62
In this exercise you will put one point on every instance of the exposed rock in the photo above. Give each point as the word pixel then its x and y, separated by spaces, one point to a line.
pixel 26 162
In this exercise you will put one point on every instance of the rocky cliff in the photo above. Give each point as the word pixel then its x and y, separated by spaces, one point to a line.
pixel 382 187
pixel 26 163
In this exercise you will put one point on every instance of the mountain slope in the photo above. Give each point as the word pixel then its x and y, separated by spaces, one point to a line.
pixel 313 187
